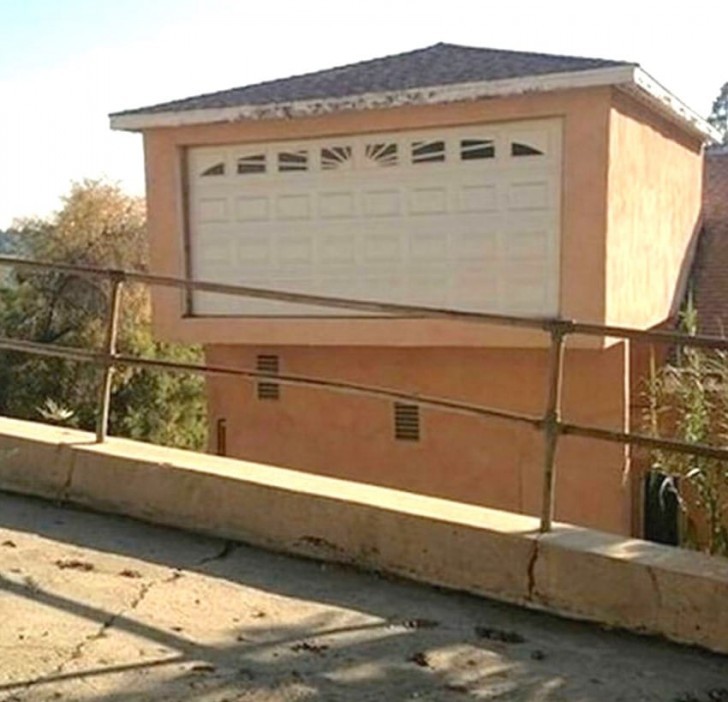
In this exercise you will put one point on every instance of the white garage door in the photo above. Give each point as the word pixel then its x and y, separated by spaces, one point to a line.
pixel 459 217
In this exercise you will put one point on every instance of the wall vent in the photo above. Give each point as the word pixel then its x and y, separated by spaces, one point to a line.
pixel 268 390
pixel 221 437
pixel 406 422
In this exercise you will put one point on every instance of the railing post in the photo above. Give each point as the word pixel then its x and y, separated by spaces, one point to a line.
pixel 552 420
pixel 112 329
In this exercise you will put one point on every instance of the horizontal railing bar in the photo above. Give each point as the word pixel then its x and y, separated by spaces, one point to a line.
pixel 54 351
pixel 425 401
pixel 649 335
pixel 653 442
pixel 412 311
pixel 77 354
pixel 388 308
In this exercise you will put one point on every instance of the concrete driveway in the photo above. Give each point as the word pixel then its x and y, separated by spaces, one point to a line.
pixel 102 608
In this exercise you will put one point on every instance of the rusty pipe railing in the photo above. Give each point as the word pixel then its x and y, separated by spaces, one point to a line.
pixel 550 422
pixel 112 331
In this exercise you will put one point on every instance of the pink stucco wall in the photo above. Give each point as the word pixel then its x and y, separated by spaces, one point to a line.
pixel 654 201
pixel 473 460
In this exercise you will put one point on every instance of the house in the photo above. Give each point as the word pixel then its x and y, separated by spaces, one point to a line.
pixel 451 176
pixel 710 276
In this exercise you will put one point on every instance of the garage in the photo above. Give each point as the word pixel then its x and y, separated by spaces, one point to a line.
pixel 460 217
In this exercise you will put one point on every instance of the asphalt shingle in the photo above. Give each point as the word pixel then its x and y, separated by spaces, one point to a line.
pixel 710 274
pixel 438 65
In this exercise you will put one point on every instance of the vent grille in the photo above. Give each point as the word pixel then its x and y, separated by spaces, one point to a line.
pixel 221 437
pixel 406 422
pixel 266 389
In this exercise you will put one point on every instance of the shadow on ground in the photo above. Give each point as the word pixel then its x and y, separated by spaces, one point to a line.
pixel 200 619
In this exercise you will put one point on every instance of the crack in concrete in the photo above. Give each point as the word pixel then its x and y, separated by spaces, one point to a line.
pixel 655 585
pixel 227 548
pixel 109 622
pixel 531 569
pixel 106 624
pixel 65 490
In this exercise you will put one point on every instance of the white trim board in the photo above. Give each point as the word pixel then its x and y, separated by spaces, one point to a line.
pixel 631 78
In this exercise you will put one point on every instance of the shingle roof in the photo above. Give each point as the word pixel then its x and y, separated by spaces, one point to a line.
pixel 438 65
pixel 710 279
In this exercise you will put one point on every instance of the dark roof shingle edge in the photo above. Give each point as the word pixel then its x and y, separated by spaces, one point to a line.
pixel 437 65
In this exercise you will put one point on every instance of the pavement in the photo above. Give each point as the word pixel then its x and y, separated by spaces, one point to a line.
pixel 101 608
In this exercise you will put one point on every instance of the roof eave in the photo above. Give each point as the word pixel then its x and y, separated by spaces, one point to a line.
pixel 629 77
pixel 645 87
pixel 137 121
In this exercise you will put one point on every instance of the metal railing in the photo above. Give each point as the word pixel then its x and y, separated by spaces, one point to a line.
pixel 550 422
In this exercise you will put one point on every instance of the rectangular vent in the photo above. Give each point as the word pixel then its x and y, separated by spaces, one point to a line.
pixel 406 422
pixel 221 437
pixel 266 389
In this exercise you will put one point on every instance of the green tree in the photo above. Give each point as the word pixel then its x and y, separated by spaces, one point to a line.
pixel 719 114
pixel 97 225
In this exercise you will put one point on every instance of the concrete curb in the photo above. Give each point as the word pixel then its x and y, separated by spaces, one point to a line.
pixel 573 571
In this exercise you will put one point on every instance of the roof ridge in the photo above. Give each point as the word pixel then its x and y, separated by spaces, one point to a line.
pixel 540 54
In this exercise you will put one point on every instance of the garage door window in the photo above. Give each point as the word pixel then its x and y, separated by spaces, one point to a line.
pixel 292 161
pixel 251 164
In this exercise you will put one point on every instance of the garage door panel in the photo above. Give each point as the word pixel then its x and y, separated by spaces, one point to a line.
pixel 336 250
pixel 382 247
pixel 529 195
pixel 382 202
pixel 212 210
pixel 254 250
pixel 472 284
pixel 295 249
pixel 337 204
pixel 218 253
pixel 293 206
pixel 464 217
pixel 428 246
pixel 478 197
pixel 526 246
pixel 428 200
pixel 429 288
pixel 252 209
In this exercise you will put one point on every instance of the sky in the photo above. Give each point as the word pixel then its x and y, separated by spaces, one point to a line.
pixel 66 64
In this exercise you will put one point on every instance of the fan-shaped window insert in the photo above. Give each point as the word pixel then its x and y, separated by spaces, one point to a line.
pixel 255 163
pixel 520 149
pixel 473 149
pixel 292 161
pixel 335 158
pixel 217 170
pixel 383 155
pixel 428 151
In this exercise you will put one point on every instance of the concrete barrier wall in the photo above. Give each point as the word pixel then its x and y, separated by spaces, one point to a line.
pixel 572 571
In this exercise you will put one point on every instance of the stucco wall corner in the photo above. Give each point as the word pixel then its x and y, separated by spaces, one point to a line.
pixel 654 205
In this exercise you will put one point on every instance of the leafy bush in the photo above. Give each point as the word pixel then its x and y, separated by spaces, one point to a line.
pixel 98 225
pixel 688 399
